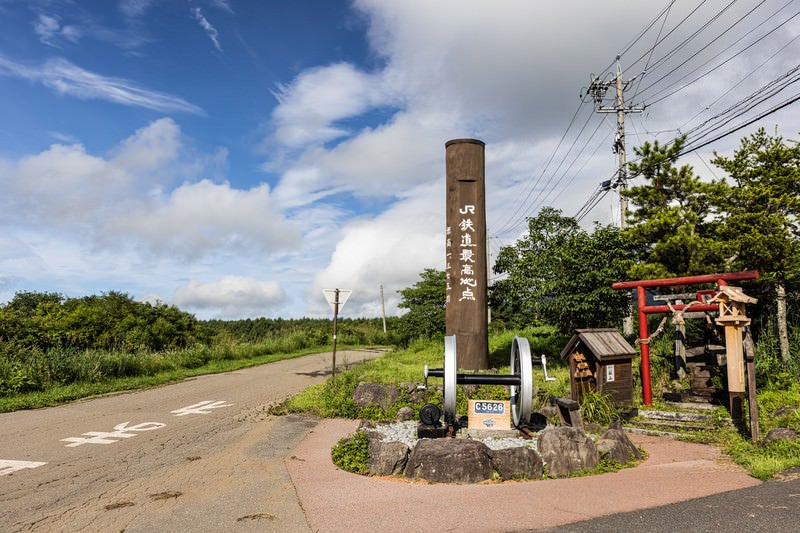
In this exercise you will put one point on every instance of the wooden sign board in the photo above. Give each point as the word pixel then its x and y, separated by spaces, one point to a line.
pixel 489 414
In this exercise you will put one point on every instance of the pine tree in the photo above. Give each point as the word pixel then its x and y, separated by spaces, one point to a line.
pixel 761 228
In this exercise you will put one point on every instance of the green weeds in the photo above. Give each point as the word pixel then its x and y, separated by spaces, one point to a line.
pixel 351 453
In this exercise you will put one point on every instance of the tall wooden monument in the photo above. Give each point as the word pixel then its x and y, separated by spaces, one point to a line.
pixel 467 296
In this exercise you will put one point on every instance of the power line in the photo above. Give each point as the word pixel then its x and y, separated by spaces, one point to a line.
pixel 742 80
pixel 650 55
pixel 758 117
pixel 504 226
pixel 659 41
pixel 663 59
pixel 720 125
pixel 664 12
pixel 539 200
pixel 746 104
pixel 548 183
pixel 719 65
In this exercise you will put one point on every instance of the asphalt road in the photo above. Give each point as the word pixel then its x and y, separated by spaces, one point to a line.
pixel 770 507
pixel 200 455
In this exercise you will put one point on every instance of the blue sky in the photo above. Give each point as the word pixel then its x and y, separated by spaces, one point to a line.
pixel 235 157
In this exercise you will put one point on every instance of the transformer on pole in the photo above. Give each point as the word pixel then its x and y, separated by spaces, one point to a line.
pixel 597 90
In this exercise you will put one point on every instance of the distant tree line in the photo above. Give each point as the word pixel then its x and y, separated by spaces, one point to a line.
pixel 318 331
pixel 48 340
pixel 112 321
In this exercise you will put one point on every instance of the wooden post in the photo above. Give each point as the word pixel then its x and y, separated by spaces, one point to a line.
pixel 467 294
pixel 335 318
pixel 735 364
pixel 752 397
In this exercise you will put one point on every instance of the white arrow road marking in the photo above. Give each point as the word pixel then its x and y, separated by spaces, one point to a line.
pixel 109 437
pixel 9 467
pixel 202 408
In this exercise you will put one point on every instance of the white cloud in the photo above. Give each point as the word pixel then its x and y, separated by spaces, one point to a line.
pixel 311 105
pixel 500 69
pixel 65 186
pixel 127 200
pixel 390 249
pixel 135 8
pixel 62 185
pixel 66 78
pixel 197 218
pixel 231 297
pixel 224 5
pixel 355 155
pixel 383 161
pixel 509 75
pixel 65 211
pixel 463 70
pixel 210 30
pixel 51 31
pixel 149 148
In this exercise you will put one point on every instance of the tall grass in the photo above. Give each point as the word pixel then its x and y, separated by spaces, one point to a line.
pixel 37 378
pixel 772 372
pixel 35 369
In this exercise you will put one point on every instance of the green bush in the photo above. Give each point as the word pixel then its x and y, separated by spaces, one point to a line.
pixel 351 453
pixel 14 379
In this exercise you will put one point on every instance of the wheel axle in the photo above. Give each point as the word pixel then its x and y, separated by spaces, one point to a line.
pixel 520 380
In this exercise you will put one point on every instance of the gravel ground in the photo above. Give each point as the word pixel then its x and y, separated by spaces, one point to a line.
pixel 406 432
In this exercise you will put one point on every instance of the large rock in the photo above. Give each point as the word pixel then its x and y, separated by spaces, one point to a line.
pixel 449 461
pixel 613 450
pixel 784 411
pixel 385 458
pixel 383 396
pixel 405 413
pixel 780 434
pixel 566 450
pixel 517 463
pixel 615 445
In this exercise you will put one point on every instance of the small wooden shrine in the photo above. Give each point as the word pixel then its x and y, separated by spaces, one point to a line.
pixel 600 360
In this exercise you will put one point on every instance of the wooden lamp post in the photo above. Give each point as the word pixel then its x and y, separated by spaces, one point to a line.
pixel 732 316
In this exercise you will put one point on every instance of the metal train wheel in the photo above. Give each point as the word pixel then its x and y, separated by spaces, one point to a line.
pixel 450 379
pixel 522 395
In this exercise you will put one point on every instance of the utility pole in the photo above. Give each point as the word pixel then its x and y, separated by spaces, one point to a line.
pixel 336 299
pixel 383 310
pixel 597 89
pixel 335 317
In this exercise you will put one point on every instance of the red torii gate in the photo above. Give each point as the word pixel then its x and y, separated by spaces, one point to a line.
pixel 644 309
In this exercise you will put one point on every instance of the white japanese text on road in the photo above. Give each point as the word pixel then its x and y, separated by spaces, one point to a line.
pixel 121 431
pixel 9 467
pixel 124 431
pixel 202 408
